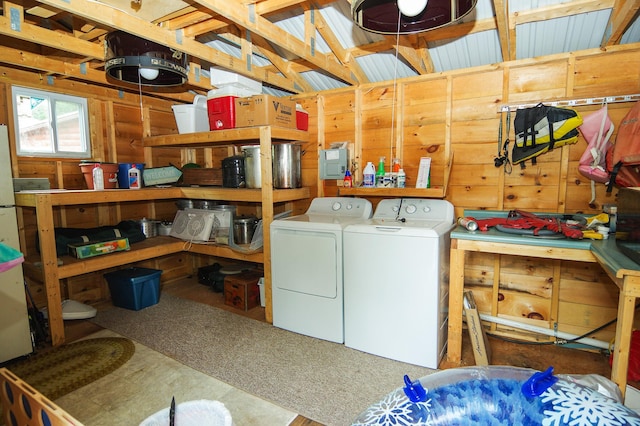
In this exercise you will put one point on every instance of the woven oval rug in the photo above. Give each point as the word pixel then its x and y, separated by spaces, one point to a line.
pixel 66 368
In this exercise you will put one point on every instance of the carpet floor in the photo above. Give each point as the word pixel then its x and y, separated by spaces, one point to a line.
pixel 321 380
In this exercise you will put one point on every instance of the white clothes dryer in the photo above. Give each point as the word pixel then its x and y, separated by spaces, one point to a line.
pixel 306 267
pixel 396 269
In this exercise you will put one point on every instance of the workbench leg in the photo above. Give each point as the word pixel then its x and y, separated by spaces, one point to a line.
pixel 626 307
pixel 456 288
pixel 46 232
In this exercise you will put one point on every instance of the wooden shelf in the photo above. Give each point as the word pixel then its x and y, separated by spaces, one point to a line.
pixel 50 273
pixel 79 197
pixel 225 137
pixel 266 196
pixel 242 194
pixel 435 192
pixel 63 197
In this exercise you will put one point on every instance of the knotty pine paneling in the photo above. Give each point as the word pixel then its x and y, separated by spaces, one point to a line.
pixel 430 115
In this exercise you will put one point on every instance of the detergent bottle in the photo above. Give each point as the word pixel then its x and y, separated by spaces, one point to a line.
pixel 369 176
pixel 134 177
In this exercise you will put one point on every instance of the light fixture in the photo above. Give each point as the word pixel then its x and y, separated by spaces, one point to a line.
pixel 403 16
pixel 149 73
pixel 411 8
pixel 142 62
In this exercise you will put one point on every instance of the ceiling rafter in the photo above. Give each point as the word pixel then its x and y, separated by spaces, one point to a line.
pixel 113 18
pixel 505 35
pixel 623 12
pixel 561 10
pixel 408 52
pixel 255 23
pixel 54 39
pixel 281 64
pixel 340 52
pixel 71 32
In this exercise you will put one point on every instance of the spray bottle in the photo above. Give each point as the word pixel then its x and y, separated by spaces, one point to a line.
pixel 395 169
pixel 380 173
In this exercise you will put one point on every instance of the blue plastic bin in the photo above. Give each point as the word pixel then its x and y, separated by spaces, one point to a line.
pixel 134 288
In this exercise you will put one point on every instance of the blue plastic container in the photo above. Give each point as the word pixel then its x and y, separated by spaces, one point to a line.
pixel 123 173
pixel 134 288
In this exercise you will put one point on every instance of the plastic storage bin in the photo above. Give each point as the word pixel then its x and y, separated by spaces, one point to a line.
pixel 192 118
pixel 134 288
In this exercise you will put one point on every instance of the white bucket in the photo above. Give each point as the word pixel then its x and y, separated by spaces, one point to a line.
pixel 193 413
pixel 192 118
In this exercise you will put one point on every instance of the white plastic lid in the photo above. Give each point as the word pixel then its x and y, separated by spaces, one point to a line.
pixel 72 310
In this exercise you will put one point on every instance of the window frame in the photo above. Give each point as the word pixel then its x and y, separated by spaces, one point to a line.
pixel 52 98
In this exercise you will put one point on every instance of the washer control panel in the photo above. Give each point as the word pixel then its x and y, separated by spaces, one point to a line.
pixel 403 209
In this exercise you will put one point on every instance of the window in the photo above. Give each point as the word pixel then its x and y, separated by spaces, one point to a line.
pixel 50 124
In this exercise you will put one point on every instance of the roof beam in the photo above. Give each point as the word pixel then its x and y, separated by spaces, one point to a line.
pixel 334 44
pixel 562 10
pixel 247 17
pixel 35 34
pixel 282 65
pixel 110 17
pixel 505 33
pixel 623 13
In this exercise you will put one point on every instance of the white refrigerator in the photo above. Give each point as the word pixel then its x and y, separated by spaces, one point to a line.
pixel 15 333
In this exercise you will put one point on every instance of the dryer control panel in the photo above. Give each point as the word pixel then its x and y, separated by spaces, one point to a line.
pixel 341 206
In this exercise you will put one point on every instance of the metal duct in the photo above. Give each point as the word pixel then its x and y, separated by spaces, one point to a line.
pixel 134 60
pixel 381 16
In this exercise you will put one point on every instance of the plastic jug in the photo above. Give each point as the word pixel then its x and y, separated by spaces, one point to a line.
pixel 369 176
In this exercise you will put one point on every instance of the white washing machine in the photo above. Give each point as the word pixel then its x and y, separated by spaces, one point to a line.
pixel 306 267
pixel 396 286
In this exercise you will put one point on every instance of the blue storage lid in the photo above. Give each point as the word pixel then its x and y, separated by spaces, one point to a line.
pixel 133 275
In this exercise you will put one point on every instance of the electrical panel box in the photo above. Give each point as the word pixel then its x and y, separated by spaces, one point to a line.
pixel 333 163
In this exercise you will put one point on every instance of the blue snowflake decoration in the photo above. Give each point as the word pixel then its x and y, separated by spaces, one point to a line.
pixel 480 398
pixel 571 404
pixel 396 409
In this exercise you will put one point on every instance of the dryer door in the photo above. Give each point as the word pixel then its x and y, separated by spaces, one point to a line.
pixel 306 261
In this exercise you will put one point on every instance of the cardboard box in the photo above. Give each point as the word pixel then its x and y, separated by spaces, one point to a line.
pixel 97 248
pixel 134 288
pixel 479 342
pixel 265 110
pixel 242 291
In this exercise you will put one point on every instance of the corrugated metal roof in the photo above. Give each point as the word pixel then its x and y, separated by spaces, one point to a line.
pixel 539 38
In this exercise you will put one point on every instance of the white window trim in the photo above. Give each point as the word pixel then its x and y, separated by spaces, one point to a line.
pixel 84 122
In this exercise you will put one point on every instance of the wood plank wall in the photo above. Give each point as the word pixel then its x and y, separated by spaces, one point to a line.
pixel 441 115
pixel 459 112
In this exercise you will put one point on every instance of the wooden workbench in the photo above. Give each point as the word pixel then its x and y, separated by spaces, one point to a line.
pixel 624 272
